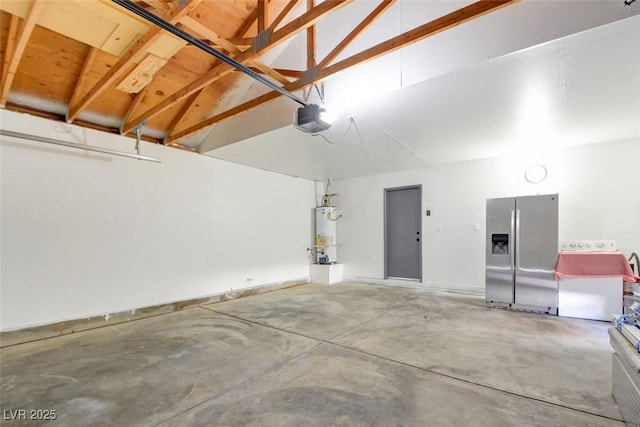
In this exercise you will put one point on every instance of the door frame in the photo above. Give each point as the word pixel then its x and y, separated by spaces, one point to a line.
pixel 384 226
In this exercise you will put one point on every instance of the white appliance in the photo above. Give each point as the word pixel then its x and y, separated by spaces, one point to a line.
pixel 588 246
pixel 590 298
pixel 595 298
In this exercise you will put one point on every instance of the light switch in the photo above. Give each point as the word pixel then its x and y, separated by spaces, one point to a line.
pixel 476 226
pixel 439 227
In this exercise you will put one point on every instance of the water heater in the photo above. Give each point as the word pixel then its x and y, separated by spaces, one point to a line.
pixel 326 245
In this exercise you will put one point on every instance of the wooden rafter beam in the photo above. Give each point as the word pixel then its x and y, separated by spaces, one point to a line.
pixel 311 40
pixel 21 39
pixel 359 29
pixel 263 99
pixel 11 45
pixel 306 20
pixel 193 99
pixel 266 70
pixel 205 31
pixel 453 19
pixel 86 69
pixel 201 29
pixel 160 5
pixel 134 55
pixel 134 104
pixel 288 8
pixel 289 30
pixel 213 36
pixel 421 32
pixel 295 74
pixel 253 17
pixel 241 42
pixel 263 15
pixel 248 23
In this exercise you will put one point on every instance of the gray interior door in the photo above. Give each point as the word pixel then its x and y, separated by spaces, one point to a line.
pixel 403 234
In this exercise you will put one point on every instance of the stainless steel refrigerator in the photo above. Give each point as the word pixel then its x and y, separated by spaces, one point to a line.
pixel 521 253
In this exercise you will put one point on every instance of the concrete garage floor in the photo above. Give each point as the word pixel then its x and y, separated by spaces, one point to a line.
pixel 318 355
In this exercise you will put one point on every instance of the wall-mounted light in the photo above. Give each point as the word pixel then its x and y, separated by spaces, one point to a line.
pixel 535 174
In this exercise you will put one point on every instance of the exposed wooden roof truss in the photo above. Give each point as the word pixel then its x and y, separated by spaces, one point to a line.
pixel 121 71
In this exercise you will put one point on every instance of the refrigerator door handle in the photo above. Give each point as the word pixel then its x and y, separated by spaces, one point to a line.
pixel 512 252
pixel 517 237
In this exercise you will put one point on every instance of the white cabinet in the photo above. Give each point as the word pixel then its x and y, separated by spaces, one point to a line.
pixel 327 274
pixel 595 298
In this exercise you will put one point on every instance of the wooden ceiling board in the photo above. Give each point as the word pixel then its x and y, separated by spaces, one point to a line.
pixel 212 99
pixel 113 11
pixel 224 17
pixel 190 62
pixel 167 46
pixel 183 109
pixel 132 57
pixel 15 7
pixel 235 14
pixel 5 21
pixel 195 113
pixel 75 20
pixel 49 66
pixel 120 40
pixel 142 74
pixel 101 64
pixel 160 122
pixel 84 74
pixel 94 22
pixel 131 28
pixel 113 103
pixel 196 110
pixel 168 80
pixel 18 40
pixel 113 100
pixel 186 66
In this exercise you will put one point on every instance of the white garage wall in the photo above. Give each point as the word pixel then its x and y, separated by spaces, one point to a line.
pixel 88 234
pixel 599 187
